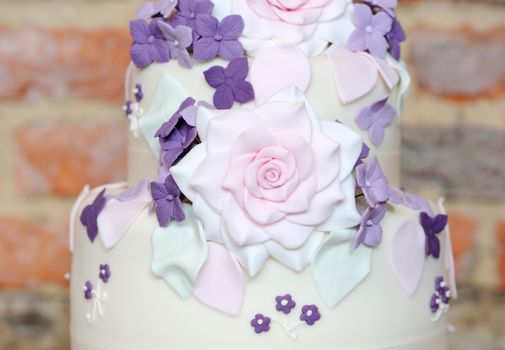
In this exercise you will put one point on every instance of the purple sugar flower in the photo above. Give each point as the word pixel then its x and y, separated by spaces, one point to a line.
pixel 178 40
pixel 188 11
pixel 230 83
pixel 310 314
pixel 90 214
pixel 149 45
pixel 88 290
pixel 168 202
pixel 218 38
pixel 387 5
pixel 371 30
pixel 365 151
pixel 127 108
pixel 434 303
pixel 432 226
pixel 412 201
pixel 373 182
pixel 375 119
pixel 261 323
pixel 161 7
pixel 442 289
pixel 285 303
pixel 139 93
pixel 178 133
pixel 104 274
pixel 395 37
pixel 370 230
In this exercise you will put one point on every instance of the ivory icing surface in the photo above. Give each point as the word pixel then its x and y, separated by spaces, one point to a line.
pixel 142 312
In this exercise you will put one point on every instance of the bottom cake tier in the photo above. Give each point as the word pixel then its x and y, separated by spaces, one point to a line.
pixel 135 309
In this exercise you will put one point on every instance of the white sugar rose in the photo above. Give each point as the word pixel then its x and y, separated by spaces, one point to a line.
pixel 271 181
pixel 310 24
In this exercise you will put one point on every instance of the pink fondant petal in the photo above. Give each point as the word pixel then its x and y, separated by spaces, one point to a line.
pixel 262 9
pixel 301 150
pixel 327 160
pixel 220 283
pixel 288 234
pixel 388 73
pixel 301 17
pixel 355 75
pixel 287 63
pixel 251 141
pixel 234 178
pixel 260 211
pixel 407 255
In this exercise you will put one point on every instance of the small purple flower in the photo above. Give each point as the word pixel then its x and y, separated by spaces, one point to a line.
pixel 168 202
pixel 373 182
pixel 230 83
pixel 432 226
pixel 371 30
pixel 104 274
pixel 261 323
pixel 370 230
pixel 90 214
pixel 310 314
pixel 127 108
pixel 178 133
pixel 434 303
pixel 178 40
pixel 88 290
pixel 365 151
pixel 412 201
pixel 161 7
pixel 375 119
pixel 218 38
pixel 149 45
pixel 387 5
pixel 395 36
pixel 442 289
pixel 139 93
pixel 285 303
pixel 188 11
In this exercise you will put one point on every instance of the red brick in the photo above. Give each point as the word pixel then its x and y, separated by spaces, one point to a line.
pixel 462 64
pixel 61 158
pixel 31 254
pixel 463 230
pixel 501 253
pixel 38 62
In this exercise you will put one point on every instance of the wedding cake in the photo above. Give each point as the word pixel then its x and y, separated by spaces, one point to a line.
pixel 263 207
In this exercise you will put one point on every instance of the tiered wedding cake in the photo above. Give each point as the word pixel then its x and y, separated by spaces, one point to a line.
pixel 263 207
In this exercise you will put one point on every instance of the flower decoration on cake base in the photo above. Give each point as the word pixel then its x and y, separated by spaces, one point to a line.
pixel 271 181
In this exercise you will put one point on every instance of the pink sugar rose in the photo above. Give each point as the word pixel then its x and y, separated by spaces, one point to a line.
pixel 271 181
pixel 311 24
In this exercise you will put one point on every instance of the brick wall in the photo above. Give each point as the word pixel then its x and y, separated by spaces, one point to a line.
pixel 61 75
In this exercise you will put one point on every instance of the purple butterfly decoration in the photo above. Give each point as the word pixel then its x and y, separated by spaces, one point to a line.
pixel 432 226
pixel 168 202
pixel 90 214
pixel 375 119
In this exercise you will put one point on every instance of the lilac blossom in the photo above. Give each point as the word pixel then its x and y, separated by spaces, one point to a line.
pixel 261 323
pixel 218 38
pixel 310 314
pixel 373 182
pixel 168 202
pixel 188 11
pixel 370 230
pixel 375 119
pixel 178 40
pixel 149 45
pixel 284 303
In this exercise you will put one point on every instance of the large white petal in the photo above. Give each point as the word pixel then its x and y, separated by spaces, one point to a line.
pixel 184 170
pixel 209 218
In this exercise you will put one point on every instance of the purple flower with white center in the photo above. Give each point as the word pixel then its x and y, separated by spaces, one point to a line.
pixel 88 290
pixel 127 108
pixel 370 230
pixel 395 37
pixel 188 11
pixel 310 314
pixel 149 45
pixel 432 227
pixel 104 274
pixel 161 7
pixel 371 30
pixel 168 202
pixel 178 133
pixel 375 119
pixel 261 323
pixel 138 92
pixel 230 83
pixel 90 214
pixel 373 182
pixel 365 151
pixel 434 303
pixel 218 38
pixel 442 289
pixel 178 40
pixel 387 5
pixel 285 303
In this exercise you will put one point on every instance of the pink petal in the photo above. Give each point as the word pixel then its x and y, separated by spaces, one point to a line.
pixel 299 17
pixel 287 63
pixel 220 283
pixel 388 73
pixel 288 234
pixel 301 150
pixel 262 9
pixel 260 211
pixel 355 76
pixel 327 159
pixel 407 255
pixel 299 201
pixel 234 178
pixel 250 141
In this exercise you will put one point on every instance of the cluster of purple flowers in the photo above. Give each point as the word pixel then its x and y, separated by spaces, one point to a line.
pixel 284 303
pixel 442 295
pixel 129 106
pixel 170 29
pixel 378 30
pixel 104 274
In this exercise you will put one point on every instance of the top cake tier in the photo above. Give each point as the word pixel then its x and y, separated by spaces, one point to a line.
pixel 343 57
